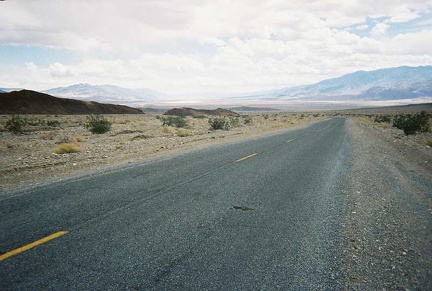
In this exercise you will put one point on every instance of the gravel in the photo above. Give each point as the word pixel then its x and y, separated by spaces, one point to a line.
pixel 388 222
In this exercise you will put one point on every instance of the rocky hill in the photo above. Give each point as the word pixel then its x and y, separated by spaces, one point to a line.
pixel 185 111
pixel 32 102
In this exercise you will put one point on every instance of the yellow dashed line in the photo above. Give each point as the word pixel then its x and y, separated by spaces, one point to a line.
pixel 32 245
pixel 247 157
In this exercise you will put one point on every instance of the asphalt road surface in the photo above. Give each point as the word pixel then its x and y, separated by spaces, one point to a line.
pixel 262 213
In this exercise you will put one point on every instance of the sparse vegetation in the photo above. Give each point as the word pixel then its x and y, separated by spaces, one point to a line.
pixel 175 121
pixel 80 138
pixel 234 121
pixel 167 130
pixel 97 124
pixel 219 123
pixel 47 136
pixel 412 123
pixel 247 120
pixel 67 148
pixel 53 123
pixel 65 140
pixel 184 132
pixel 15 124
pixel 383 119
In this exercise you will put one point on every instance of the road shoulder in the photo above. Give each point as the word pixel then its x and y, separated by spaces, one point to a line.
pixel 388 221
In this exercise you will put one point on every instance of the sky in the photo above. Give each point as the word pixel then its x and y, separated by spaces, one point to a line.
pixel 197 46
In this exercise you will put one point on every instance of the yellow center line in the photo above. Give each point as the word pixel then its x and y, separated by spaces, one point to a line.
pixel 247 157
pixel 324 127
pixel 32 245
pixel 290 140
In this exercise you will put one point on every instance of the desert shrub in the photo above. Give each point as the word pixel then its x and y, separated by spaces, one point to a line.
pixel 175 121
pixel 167 130
pixel 47 136
pixel 67 148
pixel 35 122
pixel 200 116
pixel 219 123
pixel 97 124
pixel 184 132
pixel 234 121
pixel 248 120
pixel 382 118
pixel 266 116
pixel 412 123
pixel 15 124
pixel 80 138
pixel 65 139
pixel 53 123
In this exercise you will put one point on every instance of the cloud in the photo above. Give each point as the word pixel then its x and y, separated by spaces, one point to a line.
pixel 202 45
pixel 362 27
pixel 380 29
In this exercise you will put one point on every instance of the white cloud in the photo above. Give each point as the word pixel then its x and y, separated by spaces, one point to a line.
pixel 219 45
pixel 362 27
pixel 380 29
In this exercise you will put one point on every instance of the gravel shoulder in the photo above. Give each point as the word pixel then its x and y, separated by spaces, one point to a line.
pixel 388 219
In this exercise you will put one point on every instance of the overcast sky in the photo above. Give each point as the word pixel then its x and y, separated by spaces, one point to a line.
pixel 190 46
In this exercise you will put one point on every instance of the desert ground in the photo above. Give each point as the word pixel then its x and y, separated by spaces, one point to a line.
pixel 28 158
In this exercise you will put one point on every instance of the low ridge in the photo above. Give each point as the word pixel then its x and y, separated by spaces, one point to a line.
pixel 32 102
pixel 185 111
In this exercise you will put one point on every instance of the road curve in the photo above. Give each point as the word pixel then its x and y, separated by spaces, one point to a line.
pixel 263 213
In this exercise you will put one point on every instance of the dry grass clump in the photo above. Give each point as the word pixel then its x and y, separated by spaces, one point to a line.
pixel 184 132
pixel 167 130
pixel 47 136
pixel 278 125
pixel 67 148
pixel 428 142
pixel 80 138
pixel 142 136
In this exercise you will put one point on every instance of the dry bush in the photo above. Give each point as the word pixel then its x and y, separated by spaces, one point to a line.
pixel 65 139
pixel 428 142
pixel 278 125
pixel 47 136
pixel 142 136
pixel 184 132
pixel 80 138
pixel 67 148
pixel 167 130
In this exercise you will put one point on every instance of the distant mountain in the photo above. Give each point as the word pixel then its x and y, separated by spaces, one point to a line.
pixel 31 102
pixel 251 109
pixel 185 111
pixel 10 89
pixel 107 93
pixel 384 84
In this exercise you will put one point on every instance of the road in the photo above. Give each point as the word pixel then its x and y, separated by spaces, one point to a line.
pixel 262 213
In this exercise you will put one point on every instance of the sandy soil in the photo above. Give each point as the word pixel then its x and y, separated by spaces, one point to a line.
pixel 28 159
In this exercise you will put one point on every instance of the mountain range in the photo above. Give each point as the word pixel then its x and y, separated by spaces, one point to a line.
pixel 402 85
pixel 107 94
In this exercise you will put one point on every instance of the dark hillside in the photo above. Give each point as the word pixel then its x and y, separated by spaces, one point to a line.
pixel 31 102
